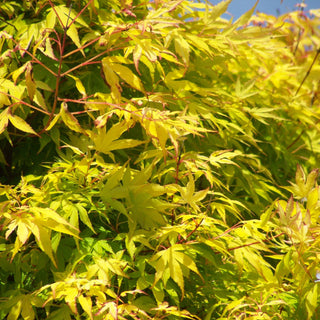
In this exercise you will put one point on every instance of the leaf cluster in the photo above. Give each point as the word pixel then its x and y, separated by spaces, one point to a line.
pixel 143 146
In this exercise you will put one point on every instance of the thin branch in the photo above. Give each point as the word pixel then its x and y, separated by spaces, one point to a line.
pixel 85 63
pixel 10 24
pixel 79 13
pixel 192 231
pixel 308 72
pixel 25 103
pixel 256 242
pixel 34 58
pixel 55 11
pixel 81 48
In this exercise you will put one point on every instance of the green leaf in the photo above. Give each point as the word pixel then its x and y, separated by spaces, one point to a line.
pixel 27 311
pixel 15 311
pixel 2 158
pixel 83 214
pixel 43 239
pixel 172 259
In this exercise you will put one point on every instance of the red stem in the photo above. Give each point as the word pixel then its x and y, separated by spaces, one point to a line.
pixel 25 103
pixel 81 48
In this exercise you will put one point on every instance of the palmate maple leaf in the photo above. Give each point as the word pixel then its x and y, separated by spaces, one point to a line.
pixel 177 262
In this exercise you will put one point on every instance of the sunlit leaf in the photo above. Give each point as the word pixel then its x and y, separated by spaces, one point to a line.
pixel 173 259
pixel 4 119
pixel 21 124
pixel 31 86
pixel 69 119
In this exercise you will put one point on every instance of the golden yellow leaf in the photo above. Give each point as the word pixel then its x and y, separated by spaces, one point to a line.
pixel 20 124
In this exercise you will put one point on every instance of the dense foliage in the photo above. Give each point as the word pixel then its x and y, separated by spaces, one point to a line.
pixel 146 149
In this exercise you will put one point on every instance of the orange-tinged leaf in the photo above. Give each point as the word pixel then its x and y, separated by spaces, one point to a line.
pixel 136 56
pixel 48 50
pixel 70 298
pixel 147 48
pixel 20 124
pixel 10 228
pixel 300 176
pixel 171 58
pixel 4 119
pixel 304 185
pixel 31 86
pixel 110 309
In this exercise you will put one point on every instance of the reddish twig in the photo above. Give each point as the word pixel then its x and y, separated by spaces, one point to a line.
pixel 25 103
